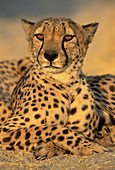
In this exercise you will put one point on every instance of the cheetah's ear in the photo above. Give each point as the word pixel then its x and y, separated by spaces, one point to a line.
pixel 27 25
pixel 90 30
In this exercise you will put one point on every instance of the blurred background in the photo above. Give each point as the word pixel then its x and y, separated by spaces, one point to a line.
pixel 100 58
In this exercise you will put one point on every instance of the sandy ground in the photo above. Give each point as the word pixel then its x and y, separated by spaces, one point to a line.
pixel 26 161
pixel 100 59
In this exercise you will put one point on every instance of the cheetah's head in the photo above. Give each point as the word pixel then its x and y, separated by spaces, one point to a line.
pixel 58 43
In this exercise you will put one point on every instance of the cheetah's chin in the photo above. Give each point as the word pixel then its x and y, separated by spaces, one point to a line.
pixel 54 69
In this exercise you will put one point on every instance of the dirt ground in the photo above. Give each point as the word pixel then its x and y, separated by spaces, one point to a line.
pixel 9 161
pixel 100 59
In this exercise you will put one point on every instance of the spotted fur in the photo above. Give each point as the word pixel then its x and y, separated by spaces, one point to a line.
pixel 54 107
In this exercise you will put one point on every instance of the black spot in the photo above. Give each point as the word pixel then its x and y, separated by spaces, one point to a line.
pixel 5 129
pixel 23 68
pixel 37 116
pixel 72 100
pixel 65 131
pixel 18 134
pixel 34 100
pixel 4 111
pixel 73 111
pixel 92 107
pixel 104 82
pixel 55 100
pixel 56 86
pixel 27 143
pixel 35 109
pixel 43 121
pixel 46 98
pixel 27 120
pixel 10 148
pixel 40 94
pixel 84 107
pixel 48 139
pixel 88 116
pixel 94 123
pixel 55 105
pixel 7 139
pixel 54 128
pixel 112 119
pixel 33 104
pixel 85 96
pixel 38 133
pixel 18 143
pixel 78 90
pixel 61 123
pixel 29 98
pixel 33 86
pixel 34 90
pixel 70 137
pixel 26 104
pixel 39 100
pixel 60 138
pixel 27 136
pixel 36 128
pixel 22 123
pixel 17 112
pixel 45 128
pixel 47 113
pixel 90 127
pixel 52 94
pixel 69 142
pixel 39 88
pixel 12 143
pixel 46 92
pixel 85 125
pixel 45 81
pixel 25 111
pixel 46 134
pixel 112 98
pixel 112 88
pixel 74 127
pixel 20 61
pixel 21 147
pixel 49 106
pixel 65 96
pixel 75 122
pixel 57 116
pixel 77 141
pixel 43 104
pixel 62 109
pixel 2 119
pixel 53 137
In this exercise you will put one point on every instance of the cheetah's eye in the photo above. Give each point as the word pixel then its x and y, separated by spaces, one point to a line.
pixel 40 36
pixel 68 37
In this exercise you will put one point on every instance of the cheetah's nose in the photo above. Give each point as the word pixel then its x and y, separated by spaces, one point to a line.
pixel 50 55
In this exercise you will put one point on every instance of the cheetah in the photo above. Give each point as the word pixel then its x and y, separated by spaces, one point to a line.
pixel 54 108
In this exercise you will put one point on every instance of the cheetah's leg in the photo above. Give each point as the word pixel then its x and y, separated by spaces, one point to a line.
pixel 52 140
pixel 106 136
pixel 5 109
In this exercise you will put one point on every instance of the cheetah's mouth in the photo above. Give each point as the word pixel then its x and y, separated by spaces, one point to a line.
pixel 54 69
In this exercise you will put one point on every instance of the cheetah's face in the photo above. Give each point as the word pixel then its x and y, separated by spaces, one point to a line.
pixel 55 43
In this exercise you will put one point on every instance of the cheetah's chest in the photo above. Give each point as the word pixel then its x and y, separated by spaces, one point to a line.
pixel 46 102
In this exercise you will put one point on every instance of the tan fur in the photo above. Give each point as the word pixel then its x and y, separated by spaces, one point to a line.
pixel 53 109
